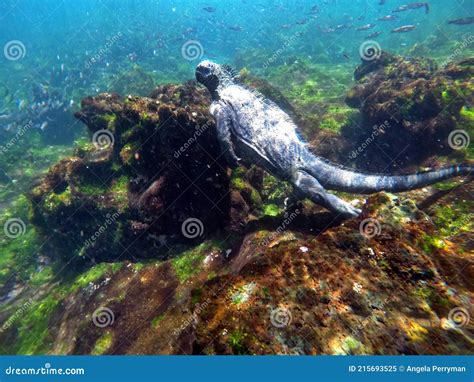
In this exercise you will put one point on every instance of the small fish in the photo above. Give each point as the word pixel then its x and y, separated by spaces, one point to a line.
pixel 209 9
pixel 302 22
pixel 403 29
pixel 285 26
pixel 464 21
pixel 21 104
pixel 381 2
pixel 132 56
pixel 342 26
pixel 406 7
pixel 388 18
pixel 373 35
pixel 419 5
pixel 401 8
pixel 346 56
pixel 365 27
pixel 43 126
pixel 236 28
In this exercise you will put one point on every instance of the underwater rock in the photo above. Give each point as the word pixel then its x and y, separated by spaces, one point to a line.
pixel 120 193
pixel 369 286
pixel 154 165
pixel 413 105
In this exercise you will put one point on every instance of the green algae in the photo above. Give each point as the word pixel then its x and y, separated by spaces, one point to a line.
pixel 91 275
pixel 119 189
pixel 18 253
pixel 236 341
pixel 108 121
pixel 188 263
pixel 451 221
pixel 155 322
pixel 53 201
pixel 102 344
pixel 33 330
pixel 42 277
pixel 271 210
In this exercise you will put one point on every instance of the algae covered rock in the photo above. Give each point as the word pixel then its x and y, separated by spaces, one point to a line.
pixel 365 287
pixel 152 174
pixel 412 105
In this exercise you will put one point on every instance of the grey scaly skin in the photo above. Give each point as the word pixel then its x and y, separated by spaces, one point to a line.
pixel 258 131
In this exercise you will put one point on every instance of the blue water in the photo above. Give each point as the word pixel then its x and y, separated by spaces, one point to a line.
pixel 81 48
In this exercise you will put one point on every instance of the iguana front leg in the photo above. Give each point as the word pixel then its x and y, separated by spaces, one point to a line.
pixel 224 119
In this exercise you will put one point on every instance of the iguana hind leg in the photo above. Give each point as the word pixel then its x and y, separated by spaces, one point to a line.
pixel 309 187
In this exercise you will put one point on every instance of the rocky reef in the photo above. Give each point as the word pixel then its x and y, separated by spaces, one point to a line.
pixel 146 243
pixel 412 106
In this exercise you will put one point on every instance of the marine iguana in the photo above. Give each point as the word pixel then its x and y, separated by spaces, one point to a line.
pixel 257 130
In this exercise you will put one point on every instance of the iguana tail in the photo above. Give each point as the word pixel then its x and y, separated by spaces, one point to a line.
pixel 335 177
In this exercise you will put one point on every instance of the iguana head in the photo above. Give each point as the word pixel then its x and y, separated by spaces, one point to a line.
pixel 213 76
